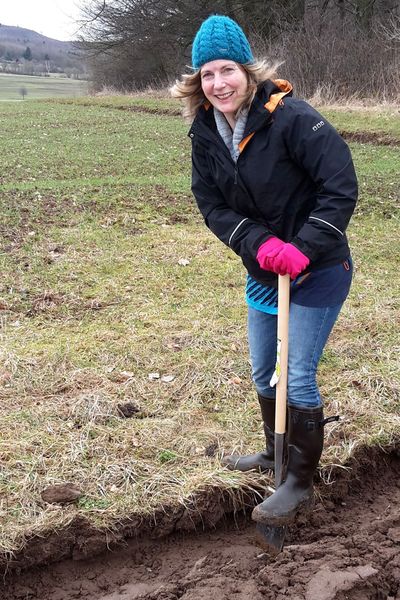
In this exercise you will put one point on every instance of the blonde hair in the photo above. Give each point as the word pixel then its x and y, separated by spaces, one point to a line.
pixel 189 90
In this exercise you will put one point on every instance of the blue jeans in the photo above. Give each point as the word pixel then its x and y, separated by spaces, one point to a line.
pixel 309 329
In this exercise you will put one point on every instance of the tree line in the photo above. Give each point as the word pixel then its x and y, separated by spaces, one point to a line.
pixel 337 48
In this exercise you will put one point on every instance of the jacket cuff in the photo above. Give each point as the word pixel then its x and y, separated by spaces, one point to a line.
pixel 311 253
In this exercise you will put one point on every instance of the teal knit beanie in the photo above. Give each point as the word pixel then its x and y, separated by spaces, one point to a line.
pixel 220 37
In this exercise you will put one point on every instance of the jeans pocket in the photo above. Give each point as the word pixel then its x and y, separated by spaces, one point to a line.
pixel 301 279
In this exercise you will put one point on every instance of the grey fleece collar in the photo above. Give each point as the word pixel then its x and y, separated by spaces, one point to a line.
pixel 231 138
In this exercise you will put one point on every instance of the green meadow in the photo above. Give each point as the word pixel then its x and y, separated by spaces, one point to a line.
pixel 39 87
pixel 123 356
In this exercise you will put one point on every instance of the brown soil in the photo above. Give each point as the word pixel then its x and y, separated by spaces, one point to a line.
pixel 345 551
pixel 166 112
pixel 370 137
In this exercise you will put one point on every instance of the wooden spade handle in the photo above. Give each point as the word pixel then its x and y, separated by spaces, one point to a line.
pixel 283 347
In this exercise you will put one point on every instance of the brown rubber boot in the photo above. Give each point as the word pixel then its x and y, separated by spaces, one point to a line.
pixel 261 461
pixel 296 493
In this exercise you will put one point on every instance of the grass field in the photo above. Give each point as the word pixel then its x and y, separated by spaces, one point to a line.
pixel 39 87
pixel 114 297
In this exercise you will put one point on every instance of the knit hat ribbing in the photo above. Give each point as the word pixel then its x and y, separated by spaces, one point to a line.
pixel 220 37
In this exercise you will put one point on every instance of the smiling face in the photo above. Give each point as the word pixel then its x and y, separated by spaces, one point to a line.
pixel 224 84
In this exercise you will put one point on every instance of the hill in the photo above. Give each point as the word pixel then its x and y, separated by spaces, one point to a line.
pixel 26 52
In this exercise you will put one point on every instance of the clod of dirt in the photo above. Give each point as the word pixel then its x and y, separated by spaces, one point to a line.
pixel 128 410
pixel 63 493
pixel 326 584
pixel 56 249
pixel 211 450
pixel 47 301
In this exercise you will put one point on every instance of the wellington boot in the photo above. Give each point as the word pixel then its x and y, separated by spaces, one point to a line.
pixel 296 493
pixel 264 460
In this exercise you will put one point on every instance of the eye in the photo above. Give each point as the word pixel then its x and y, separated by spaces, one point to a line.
pixel 206 75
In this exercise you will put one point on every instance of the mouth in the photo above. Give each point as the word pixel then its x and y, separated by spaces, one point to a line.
pixel 224 96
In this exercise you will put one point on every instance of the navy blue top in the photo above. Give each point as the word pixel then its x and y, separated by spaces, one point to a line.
pixel 320 288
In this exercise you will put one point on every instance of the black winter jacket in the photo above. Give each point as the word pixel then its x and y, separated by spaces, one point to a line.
pixel 294 179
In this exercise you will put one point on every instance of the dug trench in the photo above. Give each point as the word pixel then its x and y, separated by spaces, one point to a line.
pixel 347 549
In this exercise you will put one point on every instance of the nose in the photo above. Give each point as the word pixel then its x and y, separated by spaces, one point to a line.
pixel 218 81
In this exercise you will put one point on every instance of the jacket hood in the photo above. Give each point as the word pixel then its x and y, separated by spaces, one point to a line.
pixel 272 91
pixel 269 96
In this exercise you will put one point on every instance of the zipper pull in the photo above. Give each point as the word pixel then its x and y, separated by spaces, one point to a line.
pixel 236 175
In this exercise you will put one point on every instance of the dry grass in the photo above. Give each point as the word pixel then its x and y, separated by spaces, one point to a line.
pixel 323 98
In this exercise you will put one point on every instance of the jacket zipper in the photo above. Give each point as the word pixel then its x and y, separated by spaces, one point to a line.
pixel 225 149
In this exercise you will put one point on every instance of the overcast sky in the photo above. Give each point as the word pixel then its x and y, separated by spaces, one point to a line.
pixel 53 18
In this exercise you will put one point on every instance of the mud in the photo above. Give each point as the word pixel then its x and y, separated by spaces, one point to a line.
pixel 347 550
pixel 370 137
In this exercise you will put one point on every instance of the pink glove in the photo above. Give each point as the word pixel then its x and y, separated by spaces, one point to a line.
pixel 289 261
pixel 267 252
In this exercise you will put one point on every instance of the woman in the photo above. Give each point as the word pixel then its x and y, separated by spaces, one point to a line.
pixel 276 183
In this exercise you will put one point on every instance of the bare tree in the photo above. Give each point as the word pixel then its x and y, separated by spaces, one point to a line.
pixel 23 92
pixel 150 39
pixel 390 30
pixel 332 44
